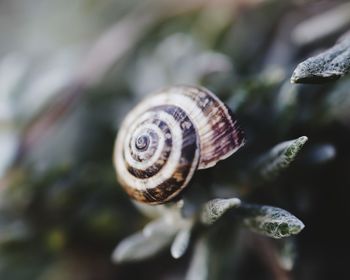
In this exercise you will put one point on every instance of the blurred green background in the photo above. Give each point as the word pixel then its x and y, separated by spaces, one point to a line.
pixel 70 71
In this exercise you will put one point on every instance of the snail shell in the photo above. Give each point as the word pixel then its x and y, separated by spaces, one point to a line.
pixel 169 135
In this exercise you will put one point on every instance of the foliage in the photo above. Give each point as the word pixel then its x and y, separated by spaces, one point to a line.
pixel 327 66
pixel 62 213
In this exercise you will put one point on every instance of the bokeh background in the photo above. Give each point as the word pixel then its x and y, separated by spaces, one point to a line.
pixel 70 71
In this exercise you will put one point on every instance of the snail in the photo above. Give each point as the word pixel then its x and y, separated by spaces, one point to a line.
pixel 168 136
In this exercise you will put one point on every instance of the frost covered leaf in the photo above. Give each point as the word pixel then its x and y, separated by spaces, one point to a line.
pixel 180 244
pixel 322 26
pixel 279 157
pixel 156 236
pixel 138 247
pixel 270 221
pixel 215 208
pixel 158 227
pixel 327 66
pixel 198 268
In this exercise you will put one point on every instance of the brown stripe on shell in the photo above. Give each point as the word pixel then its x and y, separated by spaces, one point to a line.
pixel 188 163
pixel 161 161
pixel 139 195
pixel 151 150
pixel 156 167
pixel 171 187
pixel 224 136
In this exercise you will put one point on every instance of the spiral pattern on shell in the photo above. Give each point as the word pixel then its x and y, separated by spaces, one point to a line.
pixel 169 135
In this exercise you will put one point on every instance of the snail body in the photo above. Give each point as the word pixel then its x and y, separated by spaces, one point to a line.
pixel 168 136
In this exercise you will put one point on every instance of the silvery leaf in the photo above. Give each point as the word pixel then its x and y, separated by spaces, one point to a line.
pixel 279 157
pixel 327 66
pixel 198 268
pixel 215 208
pixel 270 221
pixel 180 243
pixel 322 25
pixel 139 246
pixel 159 226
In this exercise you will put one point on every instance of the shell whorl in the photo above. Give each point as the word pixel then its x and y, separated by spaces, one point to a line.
pixel 169 135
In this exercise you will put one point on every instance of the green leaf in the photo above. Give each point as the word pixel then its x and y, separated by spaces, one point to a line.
pixel 215 208
pixel 270 221
pixel 155 237
pixel 327 66
pixel 279 158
